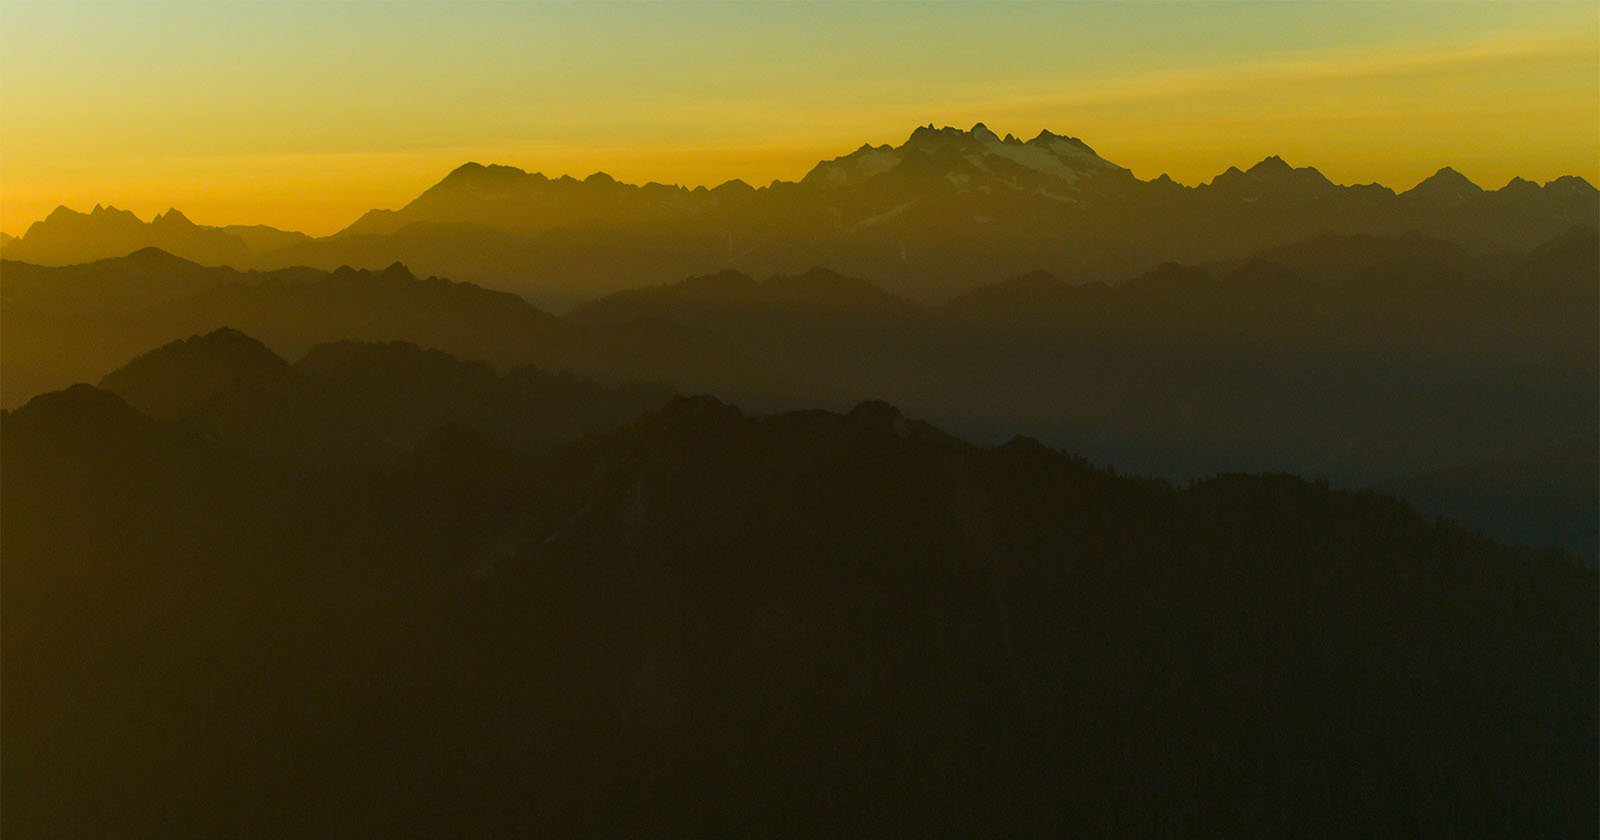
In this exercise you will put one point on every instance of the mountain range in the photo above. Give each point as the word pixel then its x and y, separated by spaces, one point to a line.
pixel 1367 360
pixel 966 487
pixel 65 237
pixel 76 323
pixel 942 213
pixel 711 624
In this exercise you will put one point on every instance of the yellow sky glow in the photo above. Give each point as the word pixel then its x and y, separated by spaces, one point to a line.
pixel 305 117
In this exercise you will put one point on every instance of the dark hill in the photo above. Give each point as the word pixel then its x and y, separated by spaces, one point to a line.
pixel 371 400
pixel 811 623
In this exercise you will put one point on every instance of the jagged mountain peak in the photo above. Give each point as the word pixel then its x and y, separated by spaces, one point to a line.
pixel 1271 165
pixel 1448 176
pixel 1050 139
pixel 476 177
pixel 963 156
pixel 1445 185
pixel 173 216
pixel 473 169
pixel 112 211
pixel 924 215
pixel 1271 176
pixel 397 271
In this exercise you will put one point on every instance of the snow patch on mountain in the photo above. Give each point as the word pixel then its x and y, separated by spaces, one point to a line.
pixel 1064 159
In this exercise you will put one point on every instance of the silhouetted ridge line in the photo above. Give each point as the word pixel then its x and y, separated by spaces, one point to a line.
pixel 888 626
pixel 938 214
pixel 362 400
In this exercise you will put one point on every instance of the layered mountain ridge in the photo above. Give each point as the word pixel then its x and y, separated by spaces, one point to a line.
pixel 1365 359
pixel 66 236
pixel 806 624
pixel 944 211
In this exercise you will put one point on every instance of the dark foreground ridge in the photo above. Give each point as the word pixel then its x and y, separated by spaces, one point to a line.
pixel 710 624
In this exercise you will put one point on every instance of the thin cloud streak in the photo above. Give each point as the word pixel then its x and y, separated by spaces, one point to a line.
pixel 1144 88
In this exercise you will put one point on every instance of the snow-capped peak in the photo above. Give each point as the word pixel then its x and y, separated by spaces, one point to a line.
pixel 1064 159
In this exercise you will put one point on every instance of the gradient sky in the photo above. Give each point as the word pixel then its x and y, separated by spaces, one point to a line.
pixel 304 115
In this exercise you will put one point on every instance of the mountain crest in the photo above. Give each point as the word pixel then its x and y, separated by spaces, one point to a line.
pixel 172 217
pixel 175 379
pixel 1271 165
pixel 1273 177
pixel 151 257
pixel 1447 186
pixel 1570 185
pixel 397 272
pixel 1049 162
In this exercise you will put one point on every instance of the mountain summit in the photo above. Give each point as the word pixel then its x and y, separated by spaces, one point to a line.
pixel 974 157
pixel 1445 187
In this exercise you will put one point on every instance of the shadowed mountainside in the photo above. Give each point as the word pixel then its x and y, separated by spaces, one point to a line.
pixel 710 624
pixel 350 399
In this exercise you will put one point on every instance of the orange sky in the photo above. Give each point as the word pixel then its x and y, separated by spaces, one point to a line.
pixel 304 116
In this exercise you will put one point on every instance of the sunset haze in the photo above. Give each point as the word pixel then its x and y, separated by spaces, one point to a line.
pixel 305 117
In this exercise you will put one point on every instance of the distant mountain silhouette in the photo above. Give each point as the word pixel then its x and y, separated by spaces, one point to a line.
pixel 66 237
pixel 937 215
pixel 76 323
pixel 940 214
pixel 710 624
pixel 1330 356
pixel 1363 359
pixel 1357 339
pixel 354 399
pixel 977 161
pixel 1444 189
